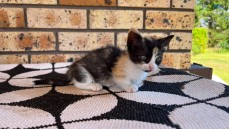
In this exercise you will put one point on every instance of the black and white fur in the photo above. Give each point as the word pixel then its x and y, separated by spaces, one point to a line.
pixel 110 66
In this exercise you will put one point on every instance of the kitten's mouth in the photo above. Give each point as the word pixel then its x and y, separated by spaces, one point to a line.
pixel 147 71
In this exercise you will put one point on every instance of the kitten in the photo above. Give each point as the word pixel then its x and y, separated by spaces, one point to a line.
pixel 110 66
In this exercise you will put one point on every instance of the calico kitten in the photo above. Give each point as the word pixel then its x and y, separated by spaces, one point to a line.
pixel 110 66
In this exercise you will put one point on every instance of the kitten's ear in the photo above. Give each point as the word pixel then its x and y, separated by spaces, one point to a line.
pixel 164 42
pixel 134 39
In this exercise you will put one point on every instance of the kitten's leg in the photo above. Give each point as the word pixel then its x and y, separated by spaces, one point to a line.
pixel 126 85
pixel 108 83
pixel 84 80
pixel 139 83
pixel 88 86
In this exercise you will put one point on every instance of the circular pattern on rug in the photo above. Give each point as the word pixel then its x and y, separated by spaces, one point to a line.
pixel 200 89
pixel 61 70
pixel 5 67
pixel 85 108
pixel 156 98
pixel 2 80
pixel 21 95
pixel 221 102
pixel 171 78
pixel 62 64
pixel 38 66
pixel 4 75
pixel 207 117
pixel 75 91
pixel 32 74
pixel 25 82
pixel 24 117
pixel 174 99
pixel 118 124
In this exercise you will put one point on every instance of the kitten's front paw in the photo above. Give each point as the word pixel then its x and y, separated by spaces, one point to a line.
pixel 96 87
pixel 131 88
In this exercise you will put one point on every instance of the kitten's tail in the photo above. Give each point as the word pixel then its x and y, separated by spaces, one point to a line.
pixel 55 82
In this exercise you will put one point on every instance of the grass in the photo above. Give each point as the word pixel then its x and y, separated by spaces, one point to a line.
pixel 219 61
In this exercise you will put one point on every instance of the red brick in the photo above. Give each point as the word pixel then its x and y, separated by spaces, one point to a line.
pixel 181 40
pixel 80 41
pixel 29 1
pixel 145 3
pixel 11 18
pixel 183 4
pixel 116 19
pixel 21 41
pixel 169 20
pixel 57 18
pixel 13 59
pixel 88 2
pixel 177 60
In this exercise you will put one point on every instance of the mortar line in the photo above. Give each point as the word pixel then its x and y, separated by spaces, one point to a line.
pixel 91 7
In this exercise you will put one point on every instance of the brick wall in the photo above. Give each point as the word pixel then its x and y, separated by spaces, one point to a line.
pixel 37 31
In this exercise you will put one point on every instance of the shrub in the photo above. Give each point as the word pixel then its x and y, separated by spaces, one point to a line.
pixel 222 39
pixel 200 40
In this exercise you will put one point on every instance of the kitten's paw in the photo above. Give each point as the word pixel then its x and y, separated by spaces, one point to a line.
pixel 95 87
pixel 131 89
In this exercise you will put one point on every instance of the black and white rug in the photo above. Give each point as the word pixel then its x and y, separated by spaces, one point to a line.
pixel 172 99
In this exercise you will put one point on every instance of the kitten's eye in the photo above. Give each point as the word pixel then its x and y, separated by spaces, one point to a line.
pixel 142 57
pixel 158 59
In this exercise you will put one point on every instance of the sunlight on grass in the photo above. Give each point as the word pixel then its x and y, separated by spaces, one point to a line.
pixel 218 61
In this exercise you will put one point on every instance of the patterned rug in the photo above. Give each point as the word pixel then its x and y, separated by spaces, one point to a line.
pixel 171 99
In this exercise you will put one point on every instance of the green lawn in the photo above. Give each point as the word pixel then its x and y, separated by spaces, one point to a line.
pixel 218 61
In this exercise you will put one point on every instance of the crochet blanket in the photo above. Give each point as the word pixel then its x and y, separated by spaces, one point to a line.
pixel 171 99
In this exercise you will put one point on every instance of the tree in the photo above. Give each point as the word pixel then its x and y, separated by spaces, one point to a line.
pixel 214 14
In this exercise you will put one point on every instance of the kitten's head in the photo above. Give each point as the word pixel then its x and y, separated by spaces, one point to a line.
pixel 146 52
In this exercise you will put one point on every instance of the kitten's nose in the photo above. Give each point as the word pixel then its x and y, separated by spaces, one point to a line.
pixel 151 67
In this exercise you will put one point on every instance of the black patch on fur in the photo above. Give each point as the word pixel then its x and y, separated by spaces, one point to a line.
pixel 75 71
pixel 98 63
pixel 164 42
pixel 137 47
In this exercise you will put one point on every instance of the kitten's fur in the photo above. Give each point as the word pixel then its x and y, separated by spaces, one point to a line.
pixel 111 66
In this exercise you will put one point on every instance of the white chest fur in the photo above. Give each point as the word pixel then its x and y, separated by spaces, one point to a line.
pixel 134 73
